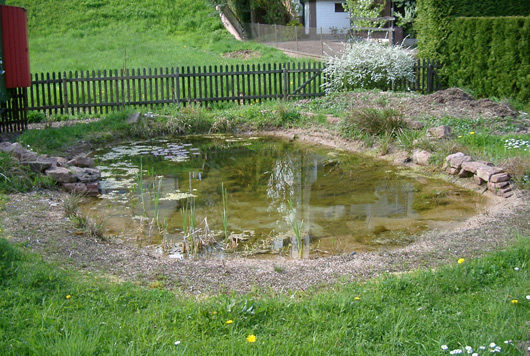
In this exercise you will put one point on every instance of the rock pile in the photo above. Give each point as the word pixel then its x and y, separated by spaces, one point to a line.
pixel 76 175
pixel 482 173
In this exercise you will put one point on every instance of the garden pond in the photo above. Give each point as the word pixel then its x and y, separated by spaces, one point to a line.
pixel 226 196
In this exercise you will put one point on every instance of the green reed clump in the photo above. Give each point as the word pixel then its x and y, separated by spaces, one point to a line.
pixel 368 121
pixel 297 226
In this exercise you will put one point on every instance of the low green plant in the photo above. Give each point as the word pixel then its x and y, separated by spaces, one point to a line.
pixel 71 204
pixel 15 177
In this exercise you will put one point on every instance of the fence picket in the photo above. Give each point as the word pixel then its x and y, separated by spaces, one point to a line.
pixel 101 92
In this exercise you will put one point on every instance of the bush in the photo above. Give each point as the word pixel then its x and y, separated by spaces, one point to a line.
pixel 369 66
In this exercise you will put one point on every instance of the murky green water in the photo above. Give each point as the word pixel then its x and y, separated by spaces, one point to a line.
pixel 153 192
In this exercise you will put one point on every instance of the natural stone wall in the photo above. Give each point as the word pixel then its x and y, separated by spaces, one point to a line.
pixel 482 173
pixel 76 175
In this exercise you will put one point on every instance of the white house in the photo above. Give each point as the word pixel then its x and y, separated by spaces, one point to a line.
pixel 326 15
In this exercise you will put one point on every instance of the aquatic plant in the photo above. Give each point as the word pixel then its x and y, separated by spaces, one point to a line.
pixel 140 185
pixel 297 228
pixel 225 215
pixel 157 198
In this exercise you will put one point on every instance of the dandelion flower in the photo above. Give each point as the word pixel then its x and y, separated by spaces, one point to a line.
pixel 460 260
pixel 229 321
pixel 251 338
pixel 472 133
pixel 357 298
pixel 515 301
pixel 68 296
pixel 459 136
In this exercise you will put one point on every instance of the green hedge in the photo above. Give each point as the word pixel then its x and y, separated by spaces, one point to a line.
pixel 434 17
pixel 491 56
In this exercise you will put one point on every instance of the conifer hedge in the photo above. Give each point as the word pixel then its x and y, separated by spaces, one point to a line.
pixel 482 44
pixel 490 55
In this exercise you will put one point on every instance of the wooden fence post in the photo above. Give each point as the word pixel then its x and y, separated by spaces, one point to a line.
pixel 65 95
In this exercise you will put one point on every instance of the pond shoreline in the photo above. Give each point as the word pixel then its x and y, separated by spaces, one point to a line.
pixel 37 220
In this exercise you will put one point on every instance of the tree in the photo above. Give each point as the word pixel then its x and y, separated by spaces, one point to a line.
pixel 367 9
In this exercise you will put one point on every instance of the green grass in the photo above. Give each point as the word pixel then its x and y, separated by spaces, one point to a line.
pixel 412 314
pixel 113 34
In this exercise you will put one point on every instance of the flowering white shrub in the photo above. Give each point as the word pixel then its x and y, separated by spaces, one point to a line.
pixel 368 65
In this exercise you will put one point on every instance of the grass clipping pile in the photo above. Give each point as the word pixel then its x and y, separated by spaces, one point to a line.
pixel 37 221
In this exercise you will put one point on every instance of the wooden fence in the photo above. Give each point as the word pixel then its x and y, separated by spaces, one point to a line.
pixel 13 113
pixel 94 92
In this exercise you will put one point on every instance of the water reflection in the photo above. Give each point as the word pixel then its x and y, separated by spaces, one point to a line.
pixel 346 202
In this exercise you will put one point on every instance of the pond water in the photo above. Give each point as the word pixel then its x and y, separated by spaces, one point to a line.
pixel 169 194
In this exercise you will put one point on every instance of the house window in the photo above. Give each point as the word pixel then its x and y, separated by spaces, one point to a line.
pixel 339 7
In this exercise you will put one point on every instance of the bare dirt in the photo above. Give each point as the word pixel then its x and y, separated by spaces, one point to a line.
pixel 37 221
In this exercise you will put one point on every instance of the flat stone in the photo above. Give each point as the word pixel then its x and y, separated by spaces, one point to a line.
pixel 452 171
pixel 16 150
pixel 37 166
pixel 499 185
pixel 78 187
pixel 464 174
pixel 500 177
pixel 477 180
pixel 82 161
pixel 508 194
pixel 61 175
pixel 472 166
pixel 440 132
pixel 486 172
pixel 92 188
pixel 402 158
pixel 86 174
pixel 456 162
pixel 422 157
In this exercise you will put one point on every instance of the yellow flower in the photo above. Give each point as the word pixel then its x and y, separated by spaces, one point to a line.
pixel 357 298
pixel 515 301
pixel 461 260
pixel 229 321
pixel 68 296
pixel 214 312
pixel 472 133
pixel 459 136
pixel 251 338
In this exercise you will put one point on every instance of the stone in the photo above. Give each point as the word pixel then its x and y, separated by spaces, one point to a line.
pixel 133 118
pixel 421 157
pixel 477 180
pixel 86 174
pixel 464 174
pixel 452 171
pixel 92 188
pixel 416 125
pixel 402 158
pixel 500 177
pixel 82 161
pixel 440 132
pixel 472 166
pixel 16 150
pixel 494 187
pixel 456 162
pixel 61 175
pixel 37 166
pixel 78 187
pixel 507 194
pixel 486 172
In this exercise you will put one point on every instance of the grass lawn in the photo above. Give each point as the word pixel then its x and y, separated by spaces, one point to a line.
pixel 49 311
pixel 113 34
